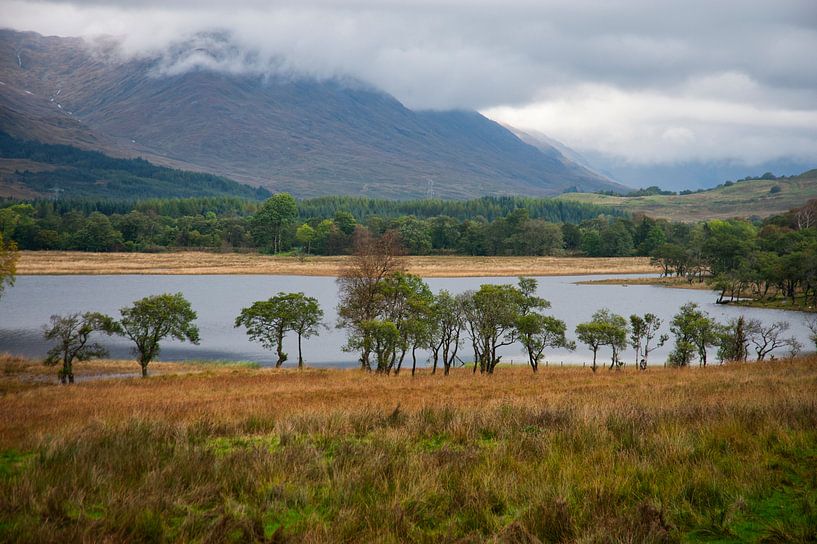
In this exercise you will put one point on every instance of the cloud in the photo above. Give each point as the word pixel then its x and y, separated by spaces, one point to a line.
pixel 649 81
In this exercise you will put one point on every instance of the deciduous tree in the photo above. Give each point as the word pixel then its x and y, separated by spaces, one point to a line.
pixel 767 338
pixel 643 330
pixel 267 321
pixel 8 263
pixel 446 328
pixel 694 333
pixel 72 333
pixel 273 220
pixel 490 314
pixel 152 319
pixel 360 292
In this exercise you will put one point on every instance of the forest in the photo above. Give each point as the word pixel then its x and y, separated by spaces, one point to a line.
pixel 78 173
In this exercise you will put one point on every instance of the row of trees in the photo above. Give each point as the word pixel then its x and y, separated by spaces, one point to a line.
pixel 320 226
pixel 389 313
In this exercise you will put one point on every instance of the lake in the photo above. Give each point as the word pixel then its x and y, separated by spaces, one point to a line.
pixel 26 307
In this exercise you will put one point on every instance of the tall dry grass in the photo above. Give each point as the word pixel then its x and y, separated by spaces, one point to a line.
pixel 198 262
pixel 325 456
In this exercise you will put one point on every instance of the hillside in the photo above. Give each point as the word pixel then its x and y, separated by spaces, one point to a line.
pixel 32 169
pixel 304 136
pixel 743 199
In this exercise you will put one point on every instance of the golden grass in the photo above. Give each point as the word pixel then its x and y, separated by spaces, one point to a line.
pixel 239 455
pixel 198 262
pixel 20 373
pixel 227 395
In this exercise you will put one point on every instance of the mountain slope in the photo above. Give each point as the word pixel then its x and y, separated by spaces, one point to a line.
pixel 33 169
pixel 304 136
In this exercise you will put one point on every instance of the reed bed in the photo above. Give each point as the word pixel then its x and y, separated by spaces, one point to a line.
pixel 236 454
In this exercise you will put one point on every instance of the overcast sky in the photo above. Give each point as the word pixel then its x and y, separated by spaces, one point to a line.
pixel 644 80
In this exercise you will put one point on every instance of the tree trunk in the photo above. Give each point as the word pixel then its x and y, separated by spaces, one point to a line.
pixel 594 359
pixel 300 354
pixel 280 350
pixel 144 366
pixel 534 364
pixel 413 360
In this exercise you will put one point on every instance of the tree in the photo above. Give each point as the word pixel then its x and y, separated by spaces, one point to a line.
pixel 307 318
pixel 694 332
pixel 268 321
pixel 405 301
pixel 616 337
pixel 345 222
pixel 274 218
pixel 767 338
pixel 534 330
pixel 592 334
pixel 72 333
pixel 152 319
pixel 603 329
pixel 616 240
pixel 807 215
pixel 446 328
pixel 538 332
pixel 359 288
pixel 8 264
pixel 305 235
pixel 490 314
pixel 384 341
pixel 811 323
pixel 672 258
pixel 734 343
pixel 642 332
pixel 415 235
pixel 97 234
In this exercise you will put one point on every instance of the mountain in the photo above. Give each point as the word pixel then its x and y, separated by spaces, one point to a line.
pixel 546 144
pixel 306 136
pixel 689 174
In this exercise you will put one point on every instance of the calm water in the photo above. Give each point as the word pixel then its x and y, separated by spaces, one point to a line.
pixel 26 307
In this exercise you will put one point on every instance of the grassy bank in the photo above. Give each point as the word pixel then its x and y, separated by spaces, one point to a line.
pixel 674 282
pixel 199 262
pixel 237 454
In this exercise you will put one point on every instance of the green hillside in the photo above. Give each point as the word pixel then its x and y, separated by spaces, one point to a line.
pixel 30 169
pixel 757 197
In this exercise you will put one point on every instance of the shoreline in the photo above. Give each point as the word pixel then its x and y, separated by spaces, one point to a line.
pixel 58 263
pixel 672 283
pixel 681 283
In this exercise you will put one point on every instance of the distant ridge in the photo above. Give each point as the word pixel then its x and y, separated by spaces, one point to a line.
pixel 307 137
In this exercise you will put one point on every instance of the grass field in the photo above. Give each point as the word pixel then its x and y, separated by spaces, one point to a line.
pixel 743 199
pixel 726 454
pixel 197 262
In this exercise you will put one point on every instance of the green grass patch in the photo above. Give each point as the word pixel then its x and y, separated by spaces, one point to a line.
pixel 730 474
